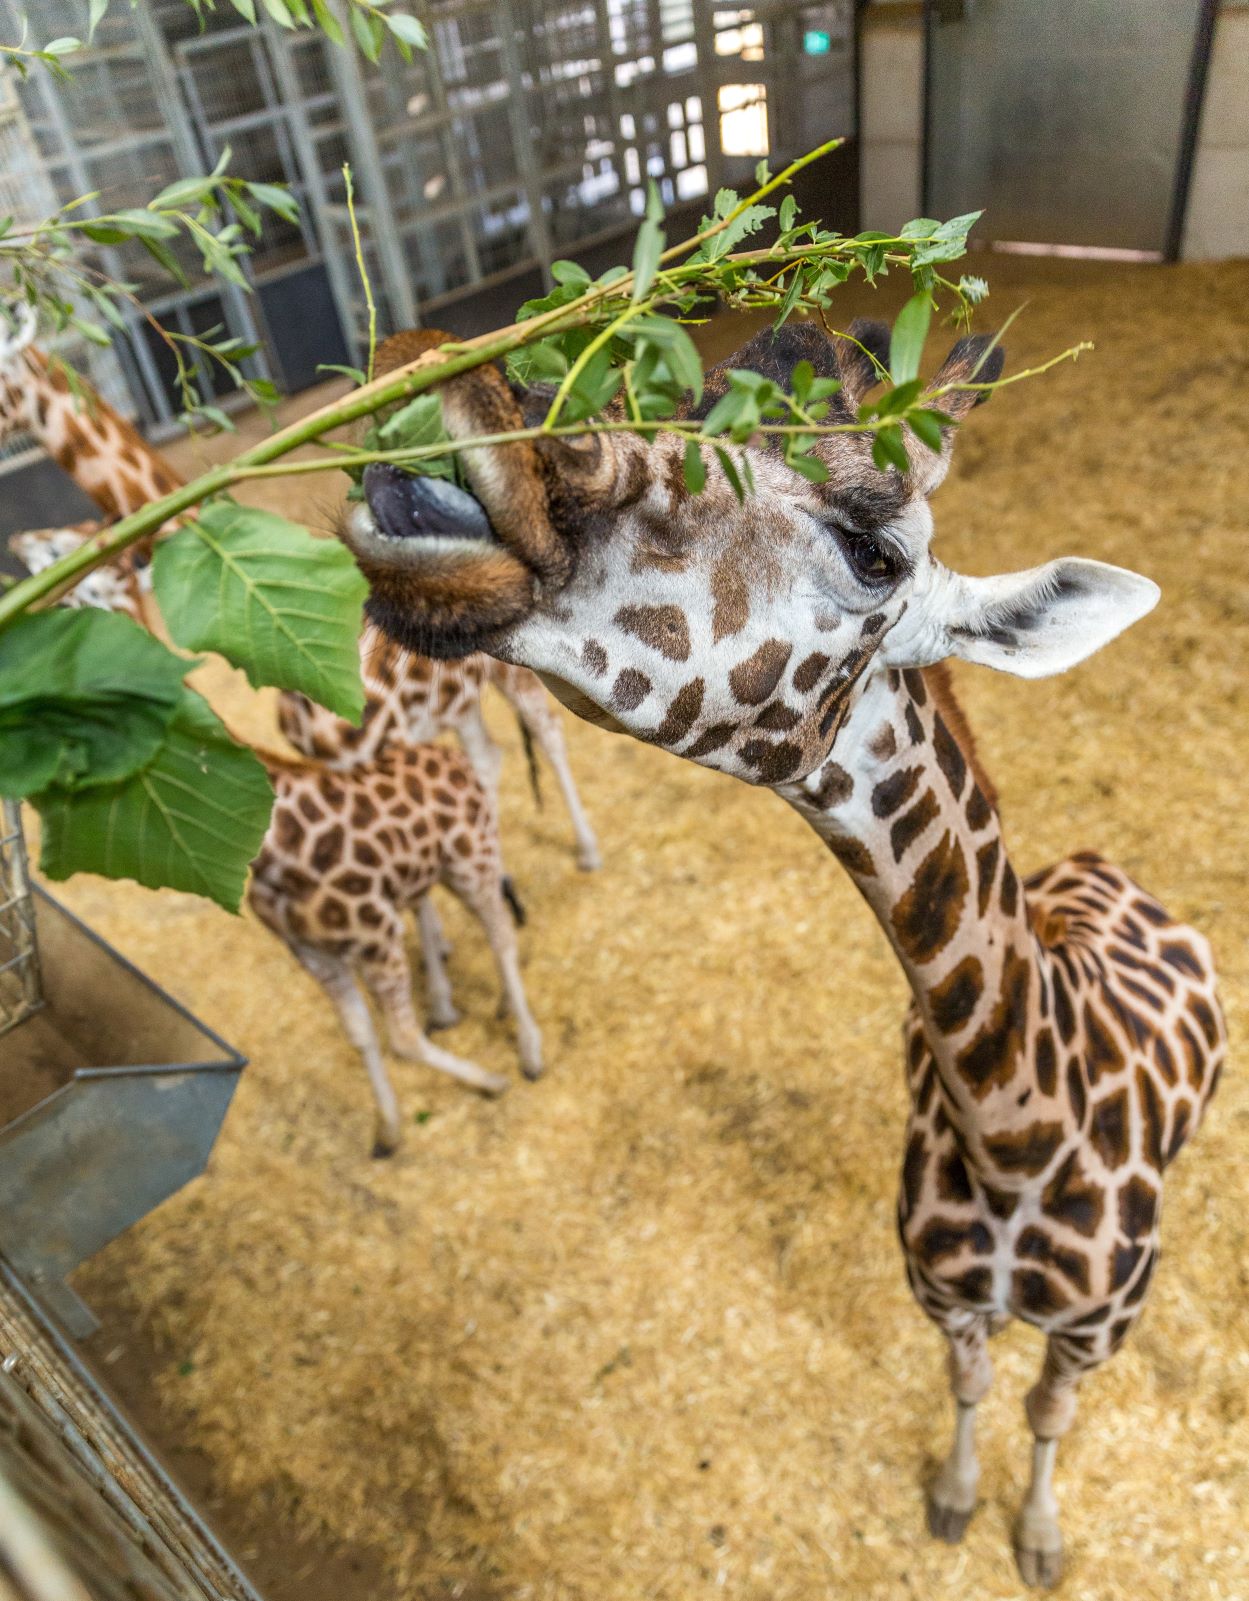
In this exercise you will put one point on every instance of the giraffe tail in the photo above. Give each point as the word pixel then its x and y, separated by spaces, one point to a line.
pixel 513 900
pixel 531 756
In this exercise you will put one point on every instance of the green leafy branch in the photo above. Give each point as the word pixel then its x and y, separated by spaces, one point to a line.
pixel 635 319
pixel 370 22
pixel 210 216
pixel 617 353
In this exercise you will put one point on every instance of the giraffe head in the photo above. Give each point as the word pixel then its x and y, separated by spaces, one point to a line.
pixel 735 633
pixel 114 586
pixel 17 332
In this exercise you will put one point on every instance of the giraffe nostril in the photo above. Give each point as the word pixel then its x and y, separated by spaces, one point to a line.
pixel 405 507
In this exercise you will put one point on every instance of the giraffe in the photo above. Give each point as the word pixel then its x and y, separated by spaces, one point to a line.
pixel 103 453
pixel 346 854
pixel 407 697
pixel 1064 1035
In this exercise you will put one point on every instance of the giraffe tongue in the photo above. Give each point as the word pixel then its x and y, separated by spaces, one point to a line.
pixel 407 508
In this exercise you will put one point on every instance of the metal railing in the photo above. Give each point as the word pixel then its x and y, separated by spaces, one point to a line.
pixel 21 990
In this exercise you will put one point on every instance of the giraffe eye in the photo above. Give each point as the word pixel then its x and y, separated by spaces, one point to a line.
pixel 874 560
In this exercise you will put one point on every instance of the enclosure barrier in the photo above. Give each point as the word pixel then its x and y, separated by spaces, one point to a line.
pixel 86 1512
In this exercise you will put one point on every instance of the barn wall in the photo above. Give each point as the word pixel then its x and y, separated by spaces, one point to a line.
pixel 1218 206
pixel 891 113
pixel 1217 226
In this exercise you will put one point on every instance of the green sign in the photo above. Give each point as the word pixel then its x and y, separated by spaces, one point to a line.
pixel 816 43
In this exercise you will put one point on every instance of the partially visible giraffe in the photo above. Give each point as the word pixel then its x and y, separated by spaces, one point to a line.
pixel 105 455
pixel 408 698
pixel 346 855
pixel 1065 1034
pixel 411 699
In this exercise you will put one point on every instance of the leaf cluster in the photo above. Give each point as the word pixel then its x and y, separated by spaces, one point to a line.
pixel 130 769
pixel 211 217
pixel 370 22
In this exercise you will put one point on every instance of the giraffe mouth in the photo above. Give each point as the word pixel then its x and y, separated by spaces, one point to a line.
pixel 412 511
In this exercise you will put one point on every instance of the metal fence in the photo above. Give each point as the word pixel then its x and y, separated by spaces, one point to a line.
pixel 20 988
pixel 528 131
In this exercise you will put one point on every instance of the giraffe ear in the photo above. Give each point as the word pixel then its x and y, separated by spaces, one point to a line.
pixel 975 359
pixel 18 325
pixel 1032 624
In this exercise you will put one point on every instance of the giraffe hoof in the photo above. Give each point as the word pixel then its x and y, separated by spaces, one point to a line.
pixel 384 1145
pixel 447 1018
pixel 589 860
pixel 1040 1569
pixel 946 1522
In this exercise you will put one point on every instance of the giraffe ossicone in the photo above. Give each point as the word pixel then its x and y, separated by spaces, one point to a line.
pixel 1064 1036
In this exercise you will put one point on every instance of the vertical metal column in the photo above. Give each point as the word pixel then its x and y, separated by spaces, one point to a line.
pixel 342 277
pixel 190 159
pixel 367 163
pixel 522 141
pixel 136 344
pixel 21 986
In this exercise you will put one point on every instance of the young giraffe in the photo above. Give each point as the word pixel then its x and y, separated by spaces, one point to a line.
pixel 1065 1034
pixel 408 698
pixel 346 854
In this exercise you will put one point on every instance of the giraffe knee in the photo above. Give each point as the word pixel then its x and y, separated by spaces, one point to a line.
pixel 1051 1409
pixel 971 1369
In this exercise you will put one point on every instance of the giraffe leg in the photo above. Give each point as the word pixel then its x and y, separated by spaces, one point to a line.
pixel 483 896
pixel 952 1494
pixel 334 977
pixel 485 757
pixel 390 979
pixel 542 723
pixel 440 1008
pixel 1051 1407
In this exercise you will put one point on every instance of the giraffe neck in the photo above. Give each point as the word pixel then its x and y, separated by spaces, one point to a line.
pixel 99 449
pixel 902 805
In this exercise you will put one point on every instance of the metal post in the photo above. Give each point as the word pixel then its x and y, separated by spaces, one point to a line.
pixel 455 167
pixel 158 401
pixel 522 142
pixel 21 984
pixel 367 164
pixel 189 156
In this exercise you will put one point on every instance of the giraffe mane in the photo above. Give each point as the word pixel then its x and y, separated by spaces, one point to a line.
pixel 940 683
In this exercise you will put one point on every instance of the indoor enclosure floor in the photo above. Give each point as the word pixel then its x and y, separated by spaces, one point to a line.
pixel 641 1329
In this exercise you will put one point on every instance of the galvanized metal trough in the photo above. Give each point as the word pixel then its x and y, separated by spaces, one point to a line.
pixel 111 1096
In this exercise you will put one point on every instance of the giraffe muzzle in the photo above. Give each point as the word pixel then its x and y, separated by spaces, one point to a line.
pixel 405 508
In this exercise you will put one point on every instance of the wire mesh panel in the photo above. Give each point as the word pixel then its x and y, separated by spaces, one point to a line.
pixel 20 988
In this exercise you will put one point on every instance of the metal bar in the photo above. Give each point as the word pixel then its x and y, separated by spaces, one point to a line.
pixel 926 153
pixel 1194 99
pixel 366 160
pixel 189 156
pixel 522 142
pixel 124 1469
pixel 342 279
pixel 157 400
pixel 15 876
pixel 445 117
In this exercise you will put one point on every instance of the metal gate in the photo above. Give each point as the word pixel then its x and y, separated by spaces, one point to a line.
pixel 1071 125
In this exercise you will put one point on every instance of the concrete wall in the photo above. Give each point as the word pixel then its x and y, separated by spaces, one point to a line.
pixel 1218 203
pixel 891 113
pixel 891 127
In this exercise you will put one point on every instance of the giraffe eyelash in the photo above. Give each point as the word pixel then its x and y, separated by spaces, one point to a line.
pixel 869 548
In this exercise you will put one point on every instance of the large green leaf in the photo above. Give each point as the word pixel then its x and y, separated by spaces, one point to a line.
pixel 906 344
pixel 266 595
pixel 85 698
pixel 192 818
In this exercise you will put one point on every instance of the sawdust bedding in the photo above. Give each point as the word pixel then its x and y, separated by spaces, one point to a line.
pixel 642 1329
